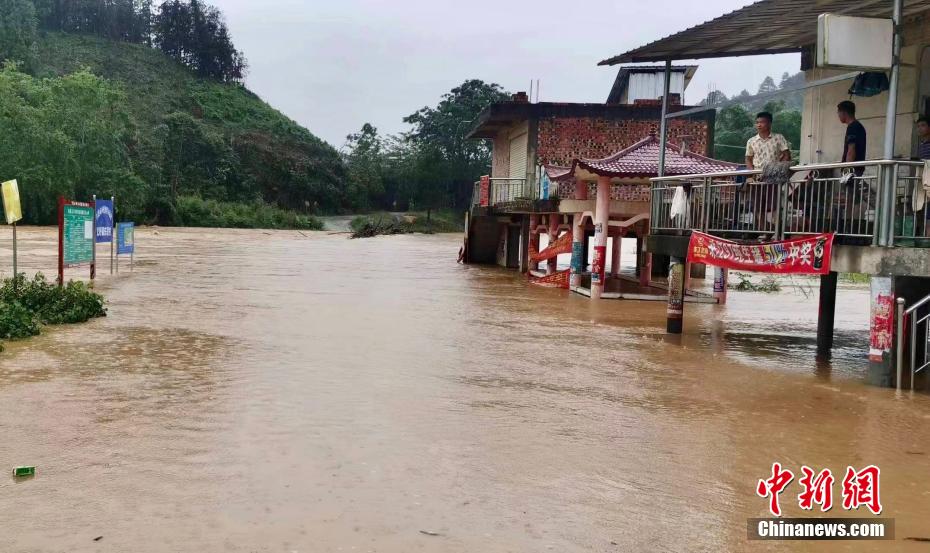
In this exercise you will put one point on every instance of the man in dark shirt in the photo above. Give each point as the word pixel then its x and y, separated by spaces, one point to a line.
pixel 856 191
pixel 923 137
pixel 854 143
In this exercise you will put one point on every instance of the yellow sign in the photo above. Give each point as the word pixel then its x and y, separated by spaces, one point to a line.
pixel 11 205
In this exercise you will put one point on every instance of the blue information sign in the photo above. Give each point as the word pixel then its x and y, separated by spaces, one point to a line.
pixel 125 241
pixel 104 233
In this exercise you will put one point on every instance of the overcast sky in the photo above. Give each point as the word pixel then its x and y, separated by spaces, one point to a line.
pixel 333 65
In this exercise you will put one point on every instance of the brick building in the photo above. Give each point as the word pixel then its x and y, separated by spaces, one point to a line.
pixel 527 136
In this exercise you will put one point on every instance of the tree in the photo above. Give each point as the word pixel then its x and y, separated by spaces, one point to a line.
pixel 768 86
pixel 17 30
pixel 442 154
pixel 365 164
pixel 195 34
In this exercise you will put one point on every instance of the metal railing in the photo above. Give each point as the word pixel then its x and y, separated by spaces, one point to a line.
pixel 504 190
pixel 913 323
pixel 844 198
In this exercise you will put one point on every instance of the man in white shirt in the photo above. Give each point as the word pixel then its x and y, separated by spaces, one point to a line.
pixel 762 149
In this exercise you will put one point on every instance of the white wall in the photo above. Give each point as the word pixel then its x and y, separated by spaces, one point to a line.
pixel 822 133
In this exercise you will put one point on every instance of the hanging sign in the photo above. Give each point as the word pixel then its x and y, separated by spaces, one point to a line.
pixel 124 238
pixel 809 255
pixel 11 206
pixel 104 232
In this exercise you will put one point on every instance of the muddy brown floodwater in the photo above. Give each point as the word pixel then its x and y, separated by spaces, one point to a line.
pixel 282 392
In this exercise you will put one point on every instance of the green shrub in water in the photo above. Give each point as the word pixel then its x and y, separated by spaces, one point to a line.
pixel 25 305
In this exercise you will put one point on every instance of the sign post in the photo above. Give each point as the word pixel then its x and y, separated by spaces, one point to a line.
pixel 103 227
pixel 112 226
pixel 75 235
pixel 125 238
pixel 93 260
pixel 14 212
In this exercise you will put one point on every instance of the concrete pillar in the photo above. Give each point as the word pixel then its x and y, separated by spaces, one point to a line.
pixel 581 189
pixel 826 314
pixel 615 255
pixel 578 250
pixel 676 296
pixel 721 278
pixel 601 219
pixel 553 264
pixel 687 275
pixel 524 244
pixel 645 261
pixel 534 239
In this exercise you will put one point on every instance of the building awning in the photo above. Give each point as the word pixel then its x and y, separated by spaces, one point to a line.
pixel 766 27
pixel 641 161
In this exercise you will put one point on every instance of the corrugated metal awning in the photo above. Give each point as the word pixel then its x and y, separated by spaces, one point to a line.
pixel 766 27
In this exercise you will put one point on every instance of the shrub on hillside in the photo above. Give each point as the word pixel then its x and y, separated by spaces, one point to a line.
pixel 197 212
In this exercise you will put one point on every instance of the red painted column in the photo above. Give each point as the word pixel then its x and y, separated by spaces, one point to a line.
pixel 554 219
pixel 534 241
pixel 581 189
pixel 601 219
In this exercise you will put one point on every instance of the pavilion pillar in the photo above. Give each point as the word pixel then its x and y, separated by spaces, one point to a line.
pixel 581 189
pixel 645 262
pixel 601 220
pixel 578 238
pixel 534 240
pixel 553 264
pixel 826 314
pixel 721 276
pixel 676 296
pixel 616 251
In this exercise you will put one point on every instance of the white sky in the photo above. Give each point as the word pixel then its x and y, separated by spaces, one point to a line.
pixel 334 65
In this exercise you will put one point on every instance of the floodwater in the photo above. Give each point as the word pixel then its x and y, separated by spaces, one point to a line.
pixel 280 391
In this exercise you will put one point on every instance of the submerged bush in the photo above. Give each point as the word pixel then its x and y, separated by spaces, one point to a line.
pixel 25 305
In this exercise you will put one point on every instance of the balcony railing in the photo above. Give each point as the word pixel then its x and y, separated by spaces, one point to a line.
pixel 506 191
pixel 845 198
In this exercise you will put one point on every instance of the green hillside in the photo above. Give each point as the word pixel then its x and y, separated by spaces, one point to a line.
pixel 173 146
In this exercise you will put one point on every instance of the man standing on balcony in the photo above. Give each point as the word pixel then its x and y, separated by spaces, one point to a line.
pixel 854 143
pixel 762 150
pixel 923 137
pixel 853 150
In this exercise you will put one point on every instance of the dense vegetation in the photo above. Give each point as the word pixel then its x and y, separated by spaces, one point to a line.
pixel 26 305
pixel 433 165
pixel 736 115
pixel 142 102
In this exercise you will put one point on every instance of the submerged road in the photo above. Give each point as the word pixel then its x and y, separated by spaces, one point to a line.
pixel 275 391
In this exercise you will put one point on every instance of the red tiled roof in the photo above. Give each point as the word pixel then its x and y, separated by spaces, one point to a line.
pixel 641 160
pixel 558 173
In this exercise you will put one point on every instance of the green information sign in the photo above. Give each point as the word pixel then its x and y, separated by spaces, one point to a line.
pixel 78 234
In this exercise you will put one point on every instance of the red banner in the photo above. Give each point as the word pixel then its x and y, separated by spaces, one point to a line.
pixel 555 280
pixel 808 256
pixel 562 244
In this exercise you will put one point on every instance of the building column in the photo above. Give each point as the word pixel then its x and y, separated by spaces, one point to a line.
pixel 721 279
pixel 826 314
pixel 578 261
pixel 615 255
pixel 534 240
pixel 676 296
pixel 601 219
pixel 645 260
pixel 581 189
pixel 553 264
